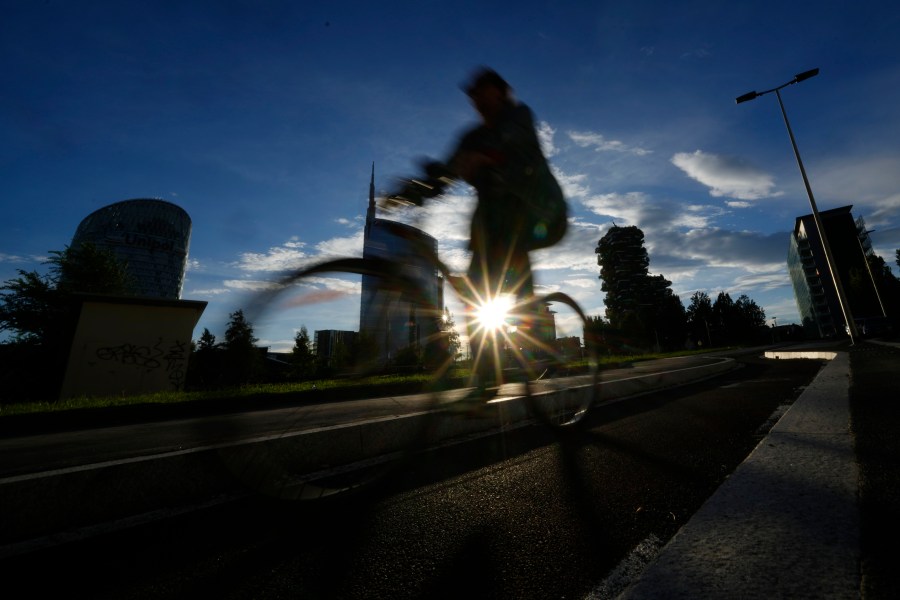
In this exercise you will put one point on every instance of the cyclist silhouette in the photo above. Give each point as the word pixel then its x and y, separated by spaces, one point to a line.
pixel 520 205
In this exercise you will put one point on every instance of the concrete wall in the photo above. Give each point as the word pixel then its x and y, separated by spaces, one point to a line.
pixel 130 346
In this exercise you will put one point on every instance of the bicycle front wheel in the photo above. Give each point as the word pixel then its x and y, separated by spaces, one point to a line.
pixel 564 382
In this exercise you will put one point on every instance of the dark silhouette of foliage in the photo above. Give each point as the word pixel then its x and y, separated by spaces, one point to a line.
pixel 41 313
pixel 207 341
pixel 725 321
pixel 39 308
pixel 205 365
pixel 449 327
pixel 641 307
pixel 699 313
pixel 242 359
pixel 303 360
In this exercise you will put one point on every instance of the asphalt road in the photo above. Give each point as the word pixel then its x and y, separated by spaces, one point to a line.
pixel 521 515
pixel 36 443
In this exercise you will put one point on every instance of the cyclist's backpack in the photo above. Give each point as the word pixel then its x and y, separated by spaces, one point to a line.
pixel 528 176
pixel 548 211
pixel 522 172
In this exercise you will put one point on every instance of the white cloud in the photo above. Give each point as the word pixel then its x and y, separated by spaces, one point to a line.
pixel 279 258
pixel 584 282
pixel 199 293
pixel 250 285
pixel 16 258
pixel 599 142
pixel 776 276
pixel 575 252
pixel 725 176
pixel 545 136
pixel 573 186
pixel 336 284
pixel 447 219
pixel 624 207
pixel 341 246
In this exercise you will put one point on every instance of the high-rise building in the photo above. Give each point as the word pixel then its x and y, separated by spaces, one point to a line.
pixel 814 289
pixel 330 342
pixel 150 236
pixel 624 270
pixel 390 323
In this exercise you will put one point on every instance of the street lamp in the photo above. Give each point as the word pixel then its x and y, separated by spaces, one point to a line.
pixel 871 274
pixel 829 258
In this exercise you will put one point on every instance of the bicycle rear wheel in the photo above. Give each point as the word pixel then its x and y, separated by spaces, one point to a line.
pixel 563 382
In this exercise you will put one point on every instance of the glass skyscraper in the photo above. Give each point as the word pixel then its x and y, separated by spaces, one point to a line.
pixel 814 290
pixel 150 236
pixel 392 323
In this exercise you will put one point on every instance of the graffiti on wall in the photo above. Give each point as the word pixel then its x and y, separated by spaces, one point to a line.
pixel 170 356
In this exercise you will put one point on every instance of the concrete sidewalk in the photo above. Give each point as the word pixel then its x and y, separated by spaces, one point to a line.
pixel 786 523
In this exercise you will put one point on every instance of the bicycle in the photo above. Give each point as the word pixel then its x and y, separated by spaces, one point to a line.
pixel 528 358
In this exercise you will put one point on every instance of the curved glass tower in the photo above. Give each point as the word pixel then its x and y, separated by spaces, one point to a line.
pixel 410 323
pixel 150 236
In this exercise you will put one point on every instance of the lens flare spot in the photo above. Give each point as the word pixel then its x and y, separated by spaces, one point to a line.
pixel 492 315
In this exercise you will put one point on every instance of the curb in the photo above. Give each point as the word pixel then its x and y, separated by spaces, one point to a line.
pixel 785 524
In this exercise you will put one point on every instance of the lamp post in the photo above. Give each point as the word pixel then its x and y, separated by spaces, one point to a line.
pixel 871 274
pixel 829 258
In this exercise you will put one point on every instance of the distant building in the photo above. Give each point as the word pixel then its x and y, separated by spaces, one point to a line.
pixel 814 290
pixel 330 342
pixel 390 323
pixel 150 236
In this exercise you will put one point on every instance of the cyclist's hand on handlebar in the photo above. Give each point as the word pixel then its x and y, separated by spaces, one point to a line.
pixel 415 191
pixel 394 201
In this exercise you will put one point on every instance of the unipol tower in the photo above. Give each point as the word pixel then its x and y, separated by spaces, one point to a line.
pixel 386 322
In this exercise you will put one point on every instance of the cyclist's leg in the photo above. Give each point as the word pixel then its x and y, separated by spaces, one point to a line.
pixel 484 282
pixel 564 402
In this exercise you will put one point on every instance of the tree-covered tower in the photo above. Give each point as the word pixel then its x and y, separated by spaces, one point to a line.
pixel 641 306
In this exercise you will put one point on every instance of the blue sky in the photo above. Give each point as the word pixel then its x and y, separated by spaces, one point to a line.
pixel 263 119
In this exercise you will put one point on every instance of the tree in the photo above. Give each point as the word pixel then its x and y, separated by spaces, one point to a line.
pixel 41 312
pixel 448 327
pixel 750 320
pixel 90 269
pixel 668 318
pixel 205 367
pixel 724 321
pixel 595 333
pixel 29 307
pixel 40 308
pixel 303 361
pixel 243 362
pixel 888 286
pixel 642 307
pixel 207 341
pixel 699 314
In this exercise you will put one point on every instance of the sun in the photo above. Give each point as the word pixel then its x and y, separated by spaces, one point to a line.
pixel 493 314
